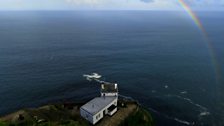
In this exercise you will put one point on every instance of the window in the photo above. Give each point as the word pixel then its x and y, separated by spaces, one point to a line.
pixel 98 116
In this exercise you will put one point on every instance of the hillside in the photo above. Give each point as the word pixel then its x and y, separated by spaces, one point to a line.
pixel 129 114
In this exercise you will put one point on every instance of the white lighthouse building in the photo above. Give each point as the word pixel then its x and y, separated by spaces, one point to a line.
pixel 109 89
pixel 97 108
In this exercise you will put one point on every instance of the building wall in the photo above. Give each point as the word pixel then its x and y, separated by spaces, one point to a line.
pixel 86 115
pixel 109 94
pixel 101 113
pixel 111 113
pixel 98 116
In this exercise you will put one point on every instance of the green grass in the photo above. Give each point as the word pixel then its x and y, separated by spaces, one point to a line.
pixel 2 124
pixel 58 116
pixel 64 123
pixel 139 118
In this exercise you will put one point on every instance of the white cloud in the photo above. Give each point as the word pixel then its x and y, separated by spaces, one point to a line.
pixel 147 2
pixel 107 4
pixel 79 2
pixel 123 4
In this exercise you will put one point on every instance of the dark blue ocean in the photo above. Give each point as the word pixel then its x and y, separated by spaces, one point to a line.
pixel 159 58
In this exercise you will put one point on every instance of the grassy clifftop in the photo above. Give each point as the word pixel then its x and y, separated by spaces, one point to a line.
pixel 129 114
pixel 139 118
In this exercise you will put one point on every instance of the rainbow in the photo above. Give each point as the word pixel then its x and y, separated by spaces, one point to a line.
pixel 198 23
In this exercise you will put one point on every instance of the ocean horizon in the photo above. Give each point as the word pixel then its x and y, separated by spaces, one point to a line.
pixel 160 58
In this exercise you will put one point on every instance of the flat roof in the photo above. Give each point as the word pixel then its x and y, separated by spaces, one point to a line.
pixel 97 104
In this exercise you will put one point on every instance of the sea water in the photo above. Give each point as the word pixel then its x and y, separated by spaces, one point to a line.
pixel 162 59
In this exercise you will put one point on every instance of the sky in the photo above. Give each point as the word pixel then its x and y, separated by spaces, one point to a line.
pixel 108 4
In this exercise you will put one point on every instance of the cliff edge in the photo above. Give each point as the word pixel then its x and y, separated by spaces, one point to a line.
pixel 129 113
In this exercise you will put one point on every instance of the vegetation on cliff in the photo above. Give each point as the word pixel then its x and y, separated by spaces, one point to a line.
pixel 139 118
pixel 129 114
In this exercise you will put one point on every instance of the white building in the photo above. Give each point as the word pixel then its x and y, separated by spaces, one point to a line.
pixel 97 108
pixel 109 90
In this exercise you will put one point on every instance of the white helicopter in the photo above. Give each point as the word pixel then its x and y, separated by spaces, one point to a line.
pixel 93 76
